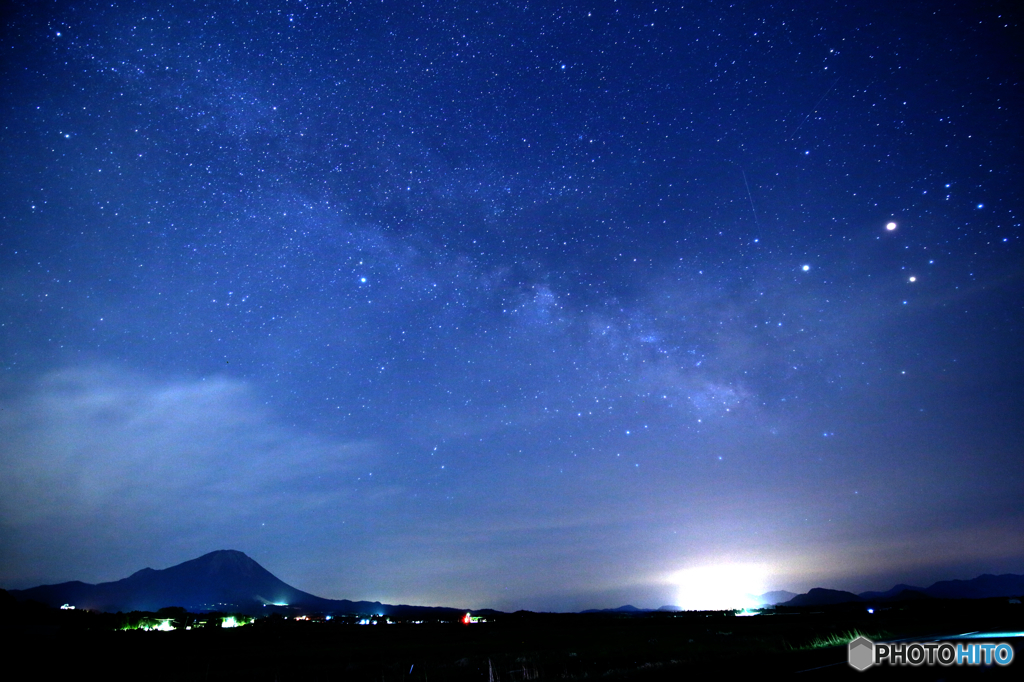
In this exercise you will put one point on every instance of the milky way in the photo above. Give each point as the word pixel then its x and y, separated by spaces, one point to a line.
pixel 513 305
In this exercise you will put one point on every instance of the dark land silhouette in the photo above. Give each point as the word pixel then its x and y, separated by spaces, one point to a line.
pixel 316 638
pixel 224 580
pixel 509 647
pixel 230 581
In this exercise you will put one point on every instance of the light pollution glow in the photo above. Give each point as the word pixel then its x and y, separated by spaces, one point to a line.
pixel 719 587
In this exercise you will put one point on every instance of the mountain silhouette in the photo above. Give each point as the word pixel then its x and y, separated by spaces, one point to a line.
pixel 230 581
pixel 890 594
pixel 627 608
pixel 983 587
pixel 225 580
pixel 819 596
pixel 775 597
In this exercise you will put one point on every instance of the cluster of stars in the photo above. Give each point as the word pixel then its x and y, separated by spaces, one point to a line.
pixel 522 233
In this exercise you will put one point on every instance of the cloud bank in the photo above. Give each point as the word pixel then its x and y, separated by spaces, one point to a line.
pixel 104 461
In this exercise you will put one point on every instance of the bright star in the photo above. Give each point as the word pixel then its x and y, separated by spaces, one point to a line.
pixel 890 226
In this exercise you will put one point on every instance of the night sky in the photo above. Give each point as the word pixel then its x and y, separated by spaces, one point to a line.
pixel 513 305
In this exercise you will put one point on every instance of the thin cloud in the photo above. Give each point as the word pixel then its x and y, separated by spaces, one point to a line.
pixel 101 448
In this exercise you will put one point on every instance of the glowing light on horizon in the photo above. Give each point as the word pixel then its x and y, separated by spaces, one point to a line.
pixel 721 587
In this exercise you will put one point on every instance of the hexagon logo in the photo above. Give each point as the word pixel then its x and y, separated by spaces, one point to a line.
pixel 861 653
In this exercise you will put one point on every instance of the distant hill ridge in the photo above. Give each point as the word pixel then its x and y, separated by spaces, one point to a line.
pixel 983 587
pixel 228 580
pixel 224 580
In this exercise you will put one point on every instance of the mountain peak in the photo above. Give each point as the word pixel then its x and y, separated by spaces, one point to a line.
pixel 225 553
pixel 820 596
pixel 224 556
pixel 224 560
pixel 225 579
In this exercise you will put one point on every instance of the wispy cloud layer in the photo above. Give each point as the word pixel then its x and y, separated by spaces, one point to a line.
pixel 101 448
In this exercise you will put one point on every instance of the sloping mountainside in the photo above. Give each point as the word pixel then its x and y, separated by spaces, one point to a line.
pixel 225 580
pixel 229 581
pixel 776 597
pixel 819 596
pixel 983 587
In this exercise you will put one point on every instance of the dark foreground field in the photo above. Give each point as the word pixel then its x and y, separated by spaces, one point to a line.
pixel 509 648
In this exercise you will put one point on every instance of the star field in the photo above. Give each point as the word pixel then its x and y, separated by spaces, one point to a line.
pixel 512 305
